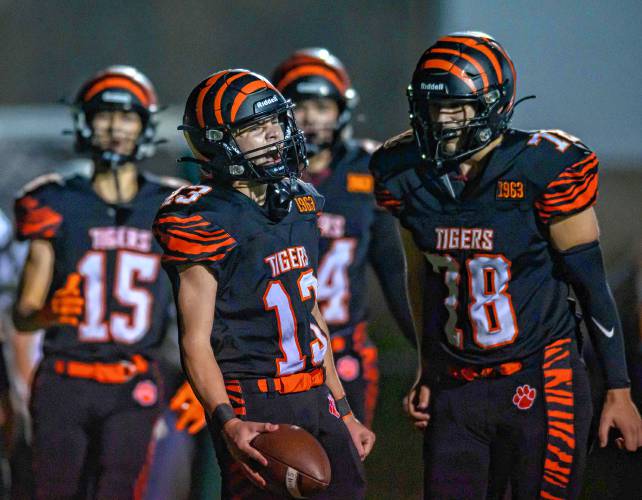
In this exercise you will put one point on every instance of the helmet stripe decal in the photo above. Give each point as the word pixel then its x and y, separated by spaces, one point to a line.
pixel 512 70
pixel 245 91
pixel 312 70
pixel 201 97
pixel 468 58
pixel 118 82
pixel 452 69
pixel 219 95
pixel 481 48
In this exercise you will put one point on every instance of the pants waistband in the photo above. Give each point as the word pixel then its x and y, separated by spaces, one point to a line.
pixel 470 373
pixel 473 372
pixel 286 384
pixel 105 373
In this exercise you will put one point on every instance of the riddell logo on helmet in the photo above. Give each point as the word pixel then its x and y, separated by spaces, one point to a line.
pixel 434 87
pixel 120 97
pixel 312 88
pixel 265 102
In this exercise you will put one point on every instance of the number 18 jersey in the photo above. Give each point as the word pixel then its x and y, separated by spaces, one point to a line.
pixel 265 270
pixel 494 289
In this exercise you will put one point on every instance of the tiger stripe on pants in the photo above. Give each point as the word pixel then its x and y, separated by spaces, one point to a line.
pixel 528 430
pixel 558 395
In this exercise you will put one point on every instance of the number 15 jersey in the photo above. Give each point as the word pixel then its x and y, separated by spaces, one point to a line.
pixel 265 270
pixel 112 248
pixel 494 289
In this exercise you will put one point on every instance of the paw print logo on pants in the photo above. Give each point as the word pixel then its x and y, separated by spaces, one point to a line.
pixel 524 397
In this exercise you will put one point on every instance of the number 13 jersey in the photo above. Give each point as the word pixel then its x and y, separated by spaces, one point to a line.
pixel 265 270
pixel 113 250
pixel 494 291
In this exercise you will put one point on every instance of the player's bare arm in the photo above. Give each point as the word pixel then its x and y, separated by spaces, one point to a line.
pixel 579 232
pixel 31 311
pixel 362 437
pixel 196 301
pixel 417 401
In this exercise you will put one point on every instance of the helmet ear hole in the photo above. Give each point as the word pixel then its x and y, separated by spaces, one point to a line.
pixel 213 135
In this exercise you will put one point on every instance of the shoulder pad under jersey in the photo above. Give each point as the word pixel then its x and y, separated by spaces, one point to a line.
pixel 190 227
pixel 563 170
pixel 305 189
pixel 37 210
pixel 391 165
pixel 165 182
pixel 47 181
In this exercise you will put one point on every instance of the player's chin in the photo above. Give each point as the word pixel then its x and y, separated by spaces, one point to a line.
pixel 451 148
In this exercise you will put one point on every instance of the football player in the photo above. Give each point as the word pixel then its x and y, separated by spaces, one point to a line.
pixel 241 250
pixel 354 230
pixel 503 224
pixel 92 281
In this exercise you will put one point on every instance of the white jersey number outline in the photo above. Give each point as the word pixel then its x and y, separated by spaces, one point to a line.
pixel 131 267
pixel 490 309
pixel 277 299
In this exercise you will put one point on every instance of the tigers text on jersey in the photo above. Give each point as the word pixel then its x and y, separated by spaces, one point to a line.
pixel 494 291
pixel 263 324
pixel 113 250
pixel 345 224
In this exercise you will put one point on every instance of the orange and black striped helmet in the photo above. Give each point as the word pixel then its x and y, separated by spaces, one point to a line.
pixel 467 67
pixel 315 73
pixel 232 99
pixel 116 88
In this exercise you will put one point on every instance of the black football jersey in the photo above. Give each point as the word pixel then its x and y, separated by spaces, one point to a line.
pixel 494 291
pixel 113 250
pixel 265 269
pixel 345 224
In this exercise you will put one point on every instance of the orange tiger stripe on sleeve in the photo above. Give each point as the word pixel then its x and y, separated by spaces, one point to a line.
pixel 192 239
pixel 385 199
pixel 34 220
pixel 573 190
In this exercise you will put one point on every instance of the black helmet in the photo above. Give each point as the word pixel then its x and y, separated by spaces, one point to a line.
pixel 470 67
pixel 116 88
pixel 315 73
pixel 227 101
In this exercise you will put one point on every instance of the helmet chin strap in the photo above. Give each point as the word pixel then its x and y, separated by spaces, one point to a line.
pixel 114 161
pixel 313 148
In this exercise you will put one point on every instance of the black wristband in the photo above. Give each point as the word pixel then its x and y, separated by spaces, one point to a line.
pixel 343 407
pixel 221 415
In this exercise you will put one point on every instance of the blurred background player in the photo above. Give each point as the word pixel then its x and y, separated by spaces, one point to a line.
pixel 241 250
pixel 92 281
pixel 11 258
pixel 502 222
pixel 354 230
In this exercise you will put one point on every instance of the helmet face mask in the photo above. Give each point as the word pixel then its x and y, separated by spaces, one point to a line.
pixel 116 88
pixel 459 70
pixel 243 101
pixel 274 160
pixel 117 131
pixel 318 117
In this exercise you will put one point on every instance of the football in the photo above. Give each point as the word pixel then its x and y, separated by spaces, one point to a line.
pixel 298 465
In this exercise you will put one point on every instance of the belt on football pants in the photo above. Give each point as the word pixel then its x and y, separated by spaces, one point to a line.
pixel 470 373
pixel 105 373
pixel 297 382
